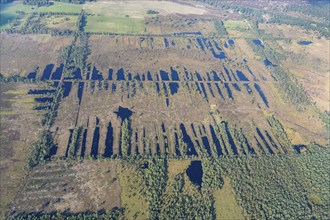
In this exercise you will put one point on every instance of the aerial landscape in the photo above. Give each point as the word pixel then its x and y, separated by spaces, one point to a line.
pixel 164 109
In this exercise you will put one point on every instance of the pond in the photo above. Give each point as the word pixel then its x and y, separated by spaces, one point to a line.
pixel 83 144
pixel 217 45
pixel 216 141
pixel 120 74
pixel 236 86
pixel 108 151
pixel 58 72
pixel 175 75
pixel 219 56
pixel 41 92
pixel 67 88
pixel 227 72
pixel 200 43
pixel 262 95
pixel 32 75
pixel 262 137
pixel 164 75
pixel 80 91
pixel 123 113
pixel 95 142
pixel 174 87
pixel 215 76
pixel 166 42
pixel 210 88
pixel 43 99
pixel 241 76
pixel 47 71
pixel 96 75
pixel 230 94
pixel 110 74
pixel 305 42
pixel 206 144
pixel 195 172
pixel 268 63
pixel 186 138
pixel 199 78
pixel 257 42
pixel 204 91
pixel 219 91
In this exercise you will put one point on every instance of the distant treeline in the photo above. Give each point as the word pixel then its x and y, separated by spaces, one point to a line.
pixel 72 1
pixel 322 28
pixel 5 1
pixel 280 18
pixel 37 3
pixel 112 214
pixel 320 10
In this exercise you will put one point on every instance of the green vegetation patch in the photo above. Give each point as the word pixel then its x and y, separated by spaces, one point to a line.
pixel 119 25
pixel 61 22
pixel 235 25
pixel 226 205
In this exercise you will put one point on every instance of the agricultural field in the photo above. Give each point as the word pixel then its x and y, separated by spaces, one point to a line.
pixel 164 110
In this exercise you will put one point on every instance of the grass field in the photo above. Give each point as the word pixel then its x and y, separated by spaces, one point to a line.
pixel 138 9
pixel 119 25
pixel 225 203
pixel 61 22
pixel 132 191
pixel 128 17
pixel 235 25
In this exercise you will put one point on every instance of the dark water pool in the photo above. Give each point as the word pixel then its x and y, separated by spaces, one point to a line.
pixel 95 143
pixel 199 78
pixel 219 56
pixel 41 91
pixel 164 75
pixel 241 76
pixel 80 91
pixel 215 76
pixel 195 172
pixel 174 87
pixel 200 43
pixel 219 91
pixel 216 141
pixel 231 42
pixel 47 71
pixel 187 140
pixel 262 95
pixel 67 88
pixel 268 63
pixel 120 74
pixel 305 42
pixel 123 113
pixel 166 42
pixel 108 151
pixel 217 45
pixel 258 42
pixel 58 72
pixel 43 99
pixel 174 75
pixel 32 75
pixel 110 74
